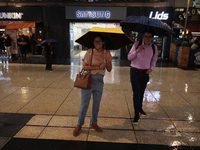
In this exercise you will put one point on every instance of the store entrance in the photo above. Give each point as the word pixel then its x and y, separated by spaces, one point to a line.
pixel 18 30
pixel 77 29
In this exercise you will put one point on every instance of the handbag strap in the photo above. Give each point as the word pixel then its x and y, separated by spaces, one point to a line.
pixel 91 61
pixel 90 64
pixel 91 58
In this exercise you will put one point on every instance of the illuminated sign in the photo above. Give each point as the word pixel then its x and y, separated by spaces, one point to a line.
pixel 196 3
pixel 192 12
pixel 11 15
pixel 93 14
pixel 159 16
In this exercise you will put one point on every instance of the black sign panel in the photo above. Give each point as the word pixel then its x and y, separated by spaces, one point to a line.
pixel 21 13
pixel 193 14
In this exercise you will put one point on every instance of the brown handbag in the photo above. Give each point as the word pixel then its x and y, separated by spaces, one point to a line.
pixel 84 80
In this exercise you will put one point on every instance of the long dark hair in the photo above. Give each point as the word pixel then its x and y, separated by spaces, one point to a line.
pixel 101 37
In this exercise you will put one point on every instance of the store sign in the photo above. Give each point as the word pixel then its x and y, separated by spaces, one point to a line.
pixel 193 13
pixel 93 14
pixel 11 15
pixel 159 16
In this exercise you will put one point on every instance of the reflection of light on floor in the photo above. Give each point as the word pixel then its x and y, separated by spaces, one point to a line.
pixel 149 97
pixel 193 139
pixel 24 90
pixel 6 79
pixel 176 143
pixel 186 87
pixel 170 128
pixel 190 117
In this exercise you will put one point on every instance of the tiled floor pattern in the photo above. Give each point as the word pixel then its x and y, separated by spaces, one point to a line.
pixel 172 102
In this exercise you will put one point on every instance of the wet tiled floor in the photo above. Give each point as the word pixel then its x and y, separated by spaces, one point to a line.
pixel 39 109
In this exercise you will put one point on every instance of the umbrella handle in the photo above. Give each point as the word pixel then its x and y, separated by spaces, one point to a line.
pixel 126 49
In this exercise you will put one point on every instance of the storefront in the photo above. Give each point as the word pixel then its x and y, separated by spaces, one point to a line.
pixel 193 22
pixel 192 32
pixel 82 19
pixel 17 21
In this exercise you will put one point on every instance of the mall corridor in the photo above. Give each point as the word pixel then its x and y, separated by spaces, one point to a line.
pixel 39 110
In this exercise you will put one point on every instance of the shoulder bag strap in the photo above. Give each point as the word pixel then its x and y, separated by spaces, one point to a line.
pixel 140 43
pixel 91 58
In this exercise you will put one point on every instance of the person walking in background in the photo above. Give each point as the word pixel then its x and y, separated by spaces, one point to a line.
pixel 143 60
pixel 23 47
pixel 48 55
pixel 2 48
pixel 196 44
pixel 101 60
pixel 33 44
pixel 39 46
pixel 8 46
pixel 19 40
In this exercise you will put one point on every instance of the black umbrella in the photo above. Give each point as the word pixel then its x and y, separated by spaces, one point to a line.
pixel 52 41
pixel 142 23
pixel 178 41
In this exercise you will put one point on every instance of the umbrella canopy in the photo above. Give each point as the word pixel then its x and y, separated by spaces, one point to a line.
pixel 53 41
pixel 114 38
pixel 142 23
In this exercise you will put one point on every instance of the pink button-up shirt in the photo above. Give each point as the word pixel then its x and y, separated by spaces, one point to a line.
pixel 143 59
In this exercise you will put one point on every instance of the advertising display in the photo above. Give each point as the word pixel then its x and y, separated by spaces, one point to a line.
pixel 194 58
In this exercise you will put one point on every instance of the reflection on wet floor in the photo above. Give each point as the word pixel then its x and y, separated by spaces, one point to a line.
pixel 51 105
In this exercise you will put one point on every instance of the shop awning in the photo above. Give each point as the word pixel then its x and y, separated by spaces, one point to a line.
pixel 18 24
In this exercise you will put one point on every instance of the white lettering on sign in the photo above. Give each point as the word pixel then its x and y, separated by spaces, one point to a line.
pixel 93 14
pixel 11 15
pixel 159 16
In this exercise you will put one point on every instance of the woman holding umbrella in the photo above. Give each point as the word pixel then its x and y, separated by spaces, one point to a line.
pixel 101 60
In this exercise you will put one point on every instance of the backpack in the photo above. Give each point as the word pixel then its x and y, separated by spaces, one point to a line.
pixel 153 47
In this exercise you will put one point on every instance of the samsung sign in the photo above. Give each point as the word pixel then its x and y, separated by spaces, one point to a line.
pixel 159 16
pixel 93 14
pixel 11 15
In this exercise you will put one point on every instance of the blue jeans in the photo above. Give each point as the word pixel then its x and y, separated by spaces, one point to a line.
pixel 96 91
pixel 139 82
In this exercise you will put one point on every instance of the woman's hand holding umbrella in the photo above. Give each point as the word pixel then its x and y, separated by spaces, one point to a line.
pixel 103 65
